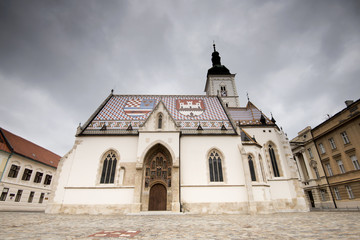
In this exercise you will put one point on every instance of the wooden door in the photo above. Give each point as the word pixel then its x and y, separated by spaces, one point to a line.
pixel 157 198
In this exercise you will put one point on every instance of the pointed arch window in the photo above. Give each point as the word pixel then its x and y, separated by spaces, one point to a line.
pixel 109 166
pixel 252 168
pixel 215 167
pixel 273 161
pixel 160 121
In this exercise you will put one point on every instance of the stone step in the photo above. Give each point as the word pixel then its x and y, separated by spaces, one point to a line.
pixel 149 213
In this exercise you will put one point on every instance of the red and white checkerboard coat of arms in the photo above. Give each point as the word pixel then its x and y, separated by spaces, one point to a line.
pixel 139 107
pixel 190 107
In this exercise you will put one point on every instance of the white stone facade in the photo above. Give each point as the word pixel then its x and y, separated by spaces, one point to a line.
pixel 34 195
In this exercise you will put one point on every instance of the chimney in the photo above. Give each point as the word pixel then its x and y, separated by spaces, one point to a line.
pixel 348 102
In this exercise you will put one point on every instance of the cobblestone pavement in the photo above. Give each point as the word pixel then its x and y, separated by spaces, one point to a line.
pixel 312 225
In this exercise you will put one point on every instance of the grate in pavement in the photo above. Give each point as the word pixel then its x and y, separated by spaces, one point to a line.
pixel 115 234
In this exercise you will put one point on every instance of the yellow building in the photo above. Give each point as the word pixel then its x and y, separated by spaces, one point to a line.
pixel 338 144
pixel 311 173
pixel 328 159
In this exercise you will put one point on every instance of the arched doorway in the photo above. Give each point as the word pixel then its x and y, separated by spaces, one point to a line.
pixel 157 189
pixel 157 198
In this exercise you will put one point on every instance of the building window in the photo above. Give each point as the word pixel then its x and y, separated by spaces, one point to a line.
pixel 31 197
pixel 328 167
pixel 322 148
pixel 38 177
pixel 160 121
pixel 337 194
pixel 345 137
pixel 109 166
pixel 355 162
pixel 14 170
pixel 274 162
pixel 323 194
pixel 215 167
pixel 18 195
pixel 341 166
pixel 349 191
pixel 310 153
pixel 252 169
pixel 316 172
pixel 332 143
pixel 41 199
pixel 223 91
pixel 4 194
pixel 27 174
pixel 47 180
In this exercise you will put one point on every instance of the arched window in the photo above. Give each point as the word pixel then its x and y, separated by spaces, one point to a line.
pixel 252 169
pixel 215 167
pixel 109 166
pixel 160 121
pixel 273 161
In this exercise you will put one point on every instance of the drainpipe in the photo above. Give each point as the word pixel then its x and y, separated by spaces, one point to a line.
pixel 2 174
pixel 180 176
pixel 327 180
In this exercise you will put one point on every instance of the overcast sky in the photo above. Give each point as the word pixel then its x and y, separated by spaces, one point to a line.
pixel 59 60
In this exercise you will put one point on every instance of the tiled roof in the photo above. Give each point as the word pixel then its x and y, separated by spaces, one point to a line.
pixel 30 150
pixel 187 111
pixel 249 115
pixel 3 145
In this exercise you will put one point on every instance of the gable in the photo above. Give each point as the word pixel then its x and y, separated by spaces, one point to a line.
pixel 187 111
pixel 152 122
pixel 249 115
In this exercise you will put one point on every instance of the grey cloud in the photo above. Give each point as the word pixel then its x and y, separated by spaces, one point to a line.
pixel 296 59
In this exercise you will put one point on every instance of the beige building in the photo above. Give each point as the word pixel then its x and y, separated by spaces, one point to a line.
pixel 310 170
pixel 26 172
pixel 328 159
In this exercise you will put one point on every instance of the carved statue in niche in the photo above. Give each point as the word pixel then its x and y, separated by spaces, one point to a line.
pixel 158 168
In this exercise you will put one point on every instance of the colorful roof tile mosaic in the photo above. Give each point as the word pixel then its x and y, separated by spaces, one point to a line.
pixel 249 115
pixel 121 111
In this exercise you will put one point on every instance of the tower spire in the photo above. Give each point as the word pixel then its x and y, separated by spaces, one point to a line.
pixel 216 59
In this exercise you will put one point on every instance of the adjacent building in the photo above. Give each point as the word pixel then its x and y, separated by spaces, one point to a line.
pixel 179 153
pixel 310 170
pixel 26 173
pixel 328 159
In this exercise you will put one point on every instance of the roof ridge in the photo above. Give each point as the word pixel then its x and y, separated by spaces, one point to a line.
pixel 163 95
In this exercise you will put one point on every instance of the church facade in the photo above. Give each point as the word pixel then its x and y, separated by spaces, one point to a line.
pixel 179 153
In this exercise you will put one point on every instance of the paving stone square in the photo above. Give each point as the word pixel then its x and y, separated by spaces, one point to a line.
pixel 311 225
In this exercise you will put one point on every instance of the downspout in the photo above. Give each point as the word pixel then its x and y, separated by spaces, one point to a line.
pixel 331 193
pixel 2 174
pixel 180 174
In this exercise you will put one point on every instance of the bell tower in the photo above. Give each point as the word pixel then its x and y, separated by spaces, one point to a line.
pixel 221 82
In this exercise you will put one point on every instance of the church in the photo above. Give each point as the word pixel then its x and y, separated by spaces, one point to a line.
pixel 201 154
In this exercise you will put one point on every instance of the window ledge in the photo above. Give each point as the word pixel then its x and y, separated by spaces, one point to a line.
pixel 102 187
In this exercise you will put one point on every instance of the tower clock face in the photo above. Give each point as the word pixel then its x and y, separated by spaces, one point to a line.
pixel 223 93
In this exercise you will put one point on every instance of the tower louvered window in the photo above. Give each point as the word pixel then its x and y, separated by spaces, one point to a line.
pixel 109 166
pixel 215 167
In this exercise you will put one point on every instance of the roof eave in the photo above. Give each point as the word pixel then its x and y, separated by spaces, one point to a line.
pixel 86 124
